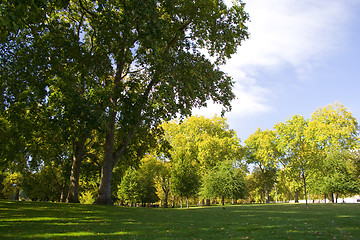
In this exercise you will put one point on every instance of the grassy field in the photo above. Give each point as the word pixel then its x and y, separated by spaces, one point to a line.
pixel 33 220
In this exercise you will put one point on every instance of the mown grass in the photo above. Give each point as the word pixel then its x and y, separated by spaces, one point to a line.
pixel 34 220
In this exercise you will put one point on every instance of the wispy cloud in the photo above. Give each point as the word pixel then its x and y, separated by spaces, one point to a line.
pixel 284 33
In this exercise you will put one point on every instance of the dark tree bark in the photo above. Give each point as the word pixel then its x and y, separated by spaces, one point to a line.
pixel 104 194
pixel 78 149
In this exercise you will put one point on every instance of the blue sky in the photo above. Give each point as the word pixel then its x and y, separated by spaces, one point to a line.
pixel 301 55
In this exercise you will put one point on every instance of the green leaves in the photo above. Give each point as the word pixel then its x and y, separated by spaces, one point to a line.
pixel 117 67
pixel 224 180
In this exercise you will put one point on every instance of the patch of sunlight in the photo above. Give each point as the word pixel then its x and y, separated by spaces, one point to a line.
pixel 65 223
pixel 78 234
pixel 32 219
pixel 345 216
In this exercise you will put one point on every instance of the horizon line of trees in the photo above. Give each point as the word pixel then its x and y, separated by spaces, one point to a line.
pixel 201 160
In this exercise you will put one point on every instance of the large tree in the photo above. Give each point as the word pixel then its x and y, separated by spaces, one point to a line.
pixel 298 157
pixel 333 131
pixel 130 63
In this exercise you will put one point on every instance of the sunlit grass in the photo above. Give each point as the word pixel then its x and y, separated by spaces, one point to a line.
pixel 33 220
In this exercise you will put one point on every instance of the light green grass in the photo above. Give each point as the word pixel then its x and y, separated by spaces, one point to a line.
pixel 33 220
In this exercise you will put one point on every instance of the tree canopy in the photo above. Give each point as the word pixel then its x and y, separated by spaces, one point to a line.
pixel 118 67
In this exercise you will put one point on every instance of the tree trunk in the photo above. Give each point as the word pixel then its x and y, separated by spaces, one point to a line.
pixel 17 193
pixel 78 149
pixel 166 194
pixel 336 197
pixel 181 203
pixel 207 202
pixel 296 196
pixel 222 200
pixel 62 196
pixel 306 197
pixel 104 194
pixel 187 202
pixel 267 197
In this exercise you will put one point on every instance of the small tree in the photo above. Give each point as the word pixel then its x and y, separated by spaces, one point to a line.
pixel 138 185
pixel 185 180
pixel 224 181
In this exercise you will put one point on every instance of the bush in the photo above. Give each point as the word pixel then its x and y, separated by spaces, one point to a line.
pixel 86 197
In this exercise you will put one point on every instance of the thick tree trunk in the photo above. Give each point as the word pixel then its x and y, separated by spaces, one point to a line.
pixel 17 194
pixel 104 194
pixel 207 202
pixel 78 149
pixel 166 194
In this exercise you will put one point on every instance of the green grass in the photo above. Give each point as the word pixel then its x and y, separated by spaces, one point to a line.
pixel 33 220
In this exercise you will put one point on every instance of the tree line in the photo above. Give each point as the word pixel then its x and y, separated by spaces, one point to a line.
pixel 317 156
pixel 202 160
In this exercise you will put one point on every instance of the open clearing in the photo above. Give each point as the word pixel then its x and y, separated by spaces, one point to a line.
pixel 35 220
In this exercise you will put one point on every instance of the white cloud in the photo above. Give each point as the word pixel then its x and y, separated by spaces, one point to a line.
pixel 299 34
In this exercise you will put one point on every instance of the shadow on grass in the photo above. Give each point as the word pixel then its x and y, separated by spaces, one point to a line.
pixel 33 220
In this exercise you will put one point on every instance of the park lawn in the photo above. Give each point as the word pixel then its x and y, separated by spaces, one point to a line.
pixel 35 220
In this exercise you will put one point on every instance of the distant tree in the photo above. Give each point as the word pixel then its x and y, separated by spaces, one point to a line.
pixel 224 181
pixel 206 142
pixel 333 132
pixel 185 179
pixel 47 184
pixel 298 157
pixel 163 179
pixel 261 151
pixel 11 185
pixel 339 179
pixel 137 185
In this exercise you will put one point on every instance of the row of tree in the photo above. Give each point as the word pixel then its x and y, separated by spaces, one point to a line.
pixel 84 84
pixel 201 158
pixel 318 155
